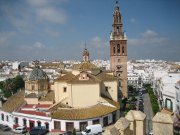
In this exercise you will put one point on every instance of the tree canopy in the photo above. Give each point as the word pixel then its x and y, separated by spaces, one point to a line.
pixel 11 85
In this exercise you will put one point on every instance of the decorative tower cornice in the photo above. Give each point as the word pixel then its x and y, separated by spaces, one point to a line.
pixel 117 32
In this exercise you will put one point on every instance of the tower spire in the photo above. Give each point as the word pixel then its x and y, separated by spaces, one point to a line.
pixel 116 5
pixel 116 2
pixel 85 54
pixel 85 45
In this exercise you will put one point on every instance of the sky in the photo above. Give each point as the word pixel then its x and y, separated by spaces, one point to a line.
pixel 59 29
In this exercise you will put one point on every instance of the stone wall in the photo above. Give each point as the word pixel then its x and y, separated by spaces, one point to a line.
pixel 162 124
pixel 134 124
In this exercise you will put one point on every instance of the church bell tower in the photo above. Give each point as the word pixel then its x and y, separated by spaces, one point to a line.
pixel 118 50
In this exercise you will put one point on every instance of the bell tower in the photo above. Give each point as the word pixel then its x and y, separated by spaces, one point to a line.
pixel 118 50
pixel 85 54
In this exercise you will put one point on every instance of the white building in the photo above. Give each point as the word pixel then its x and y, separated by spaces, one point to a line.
pixel 168 91
pixel 177 97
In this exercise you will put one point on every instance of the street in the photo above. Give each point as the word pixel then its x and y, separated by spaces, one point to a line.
pixel 148 111
pixel 11 133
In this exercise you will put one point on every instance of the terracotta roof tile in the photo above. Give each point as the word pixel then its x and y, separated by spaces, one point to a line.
pixel 92 79
pixel 14 102
pixel 84 113
pixel 66 77
pixel 85 66
pixel 48 97
pixel 106 77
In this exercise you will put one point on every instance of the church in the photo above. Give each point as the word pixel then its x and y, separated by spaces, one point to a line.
pixel 84 96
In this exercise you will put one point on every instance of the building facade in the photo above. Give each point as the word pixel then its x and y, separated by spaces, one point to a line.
pixel 84 96
pixel 118 50
pixel 79 98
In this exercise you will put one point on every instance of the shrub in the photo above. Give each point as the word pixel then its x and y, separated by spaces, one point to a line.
pixel 153 99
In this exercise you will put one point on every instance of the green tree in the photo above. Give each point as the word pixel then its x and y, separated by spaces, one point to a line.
pixel 11 86
pixel 18 83
pixel 1 85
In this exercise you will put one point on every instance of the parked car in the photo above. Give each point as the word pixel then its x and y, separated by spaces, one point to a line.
pixel 92 129
pixel 5 127
pixel 38 131
pixel 20 130
pixel 141 109
pixel 150 133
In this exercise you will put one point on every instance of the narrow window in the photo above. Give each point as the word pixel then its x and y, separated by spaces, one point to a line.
pixel 117 20
pixel 57 125
pixel 24 122
pixel 117 29
pixel 16 121
pixel 32 87
pixel 106 89
pixel 39 123
pixel 123 49
pixel 118 48
pixel 114 50
pixel 2 117
pixel 64 89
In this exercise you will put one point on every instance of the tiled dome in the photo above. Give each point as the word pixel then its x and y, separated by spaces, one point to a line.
pixel 37 74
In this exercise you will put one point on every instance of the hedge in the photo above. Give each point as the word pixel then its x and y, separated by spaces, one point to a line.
pixel 153 99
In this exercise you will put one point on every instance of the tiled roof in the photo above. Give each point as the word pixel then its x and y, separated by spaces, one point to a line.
pixel 52 65
pixel 48 97
pixel 85 66
pixel 84 113
pixel 31 95
pixel 58 105
pixel 66 77
pixel 33 113
pixel 106 77
pixel 14 102
pixel 92 79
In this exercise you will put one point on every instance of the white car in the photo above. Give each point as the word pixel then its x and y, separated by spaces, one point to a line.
pixel 20 130
pixel 150 133
pixel 93 129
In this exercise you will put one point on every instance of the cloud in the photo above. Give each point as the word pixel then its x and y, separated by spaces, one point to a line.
pixel 38 2
pixel 38 45
pixel 45 11
pixel 149 37
pixel 51 15
pixel 97 42
pixel 5 37
pixel 34 47
pixel 18 16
